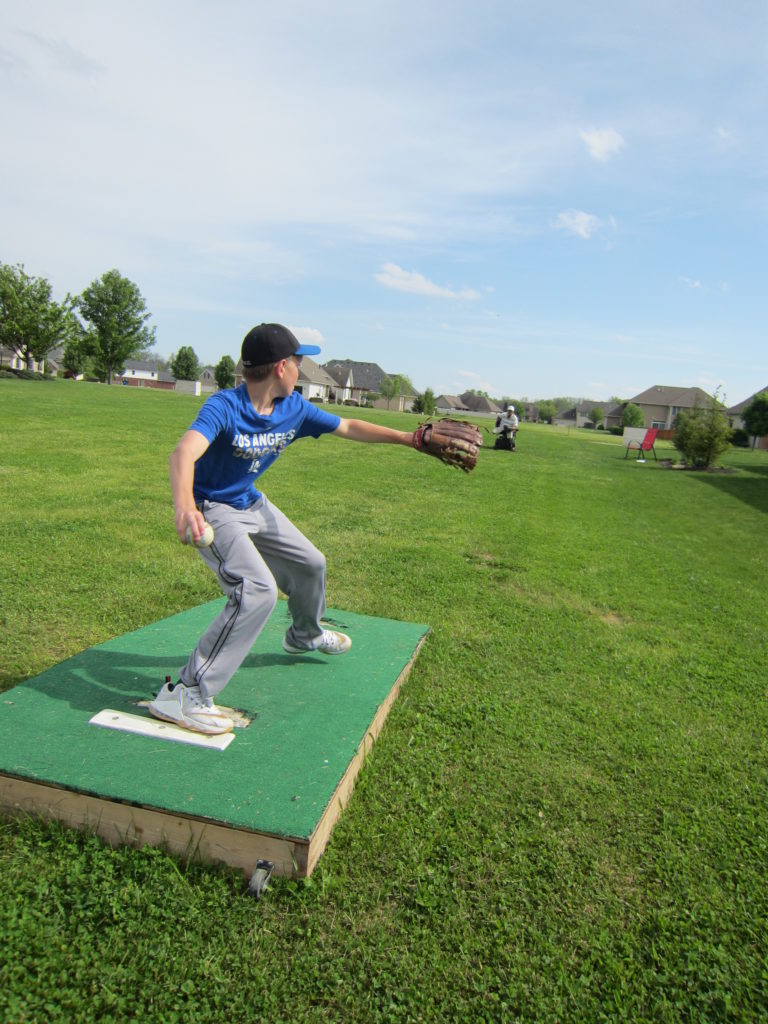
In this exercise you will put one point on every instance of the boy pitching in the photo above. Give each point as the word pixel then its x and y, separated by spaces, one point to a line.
pixel 256 551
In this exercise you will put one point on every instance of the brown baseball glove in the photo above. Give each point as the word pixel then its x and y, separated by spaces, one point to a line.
pixel 454 442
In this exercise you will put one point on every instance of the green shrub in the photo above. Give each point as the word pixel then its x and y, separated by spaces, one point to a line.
pixel 23 374
pixel 702 434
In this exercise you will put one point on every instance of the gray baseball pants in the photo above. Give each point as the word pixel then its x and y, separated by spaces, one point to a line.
pixel 255 552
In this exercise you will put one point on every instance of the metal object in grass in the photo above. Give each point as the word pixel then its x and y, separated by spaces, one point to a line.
pixel 260 878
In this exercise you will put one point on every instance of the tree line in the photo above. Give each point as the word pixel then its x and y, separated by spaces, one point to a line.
pixel 100 329
pixel 106 325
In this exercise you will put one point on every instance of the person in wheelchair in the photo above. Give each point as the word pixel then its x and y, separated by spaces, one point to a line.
pixel 506 430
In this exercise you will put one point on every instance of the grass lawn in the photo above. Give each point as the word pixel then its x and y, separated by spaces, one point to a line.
pixel 566 816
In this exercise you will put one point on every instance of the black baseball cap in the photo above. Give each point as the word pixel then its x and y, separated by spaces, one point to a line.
pixel 268 343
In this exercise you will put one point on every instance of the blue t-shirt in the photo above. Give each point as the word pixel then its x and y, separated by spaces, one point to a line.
pixel 243 444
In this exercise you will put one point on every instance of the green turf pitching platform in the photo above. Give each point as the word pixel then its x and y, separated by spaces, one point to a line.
pixel 273 793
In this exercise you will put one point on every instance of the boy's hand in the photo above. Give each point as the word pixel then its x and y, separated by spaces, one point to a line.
pixel 189 518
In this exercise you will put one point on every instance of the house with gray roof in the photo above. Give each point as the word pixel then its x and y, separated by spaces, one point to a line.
pixel 345 390
pixel 141 373
pixel 9 357
pixel 661 404
pixel 314 382
pixel 366 376
pixel 480 405
pixel 50 363
pixel 207 379
pixel 734 416
pixel 578 415
pixel 450 403
pixel 364 380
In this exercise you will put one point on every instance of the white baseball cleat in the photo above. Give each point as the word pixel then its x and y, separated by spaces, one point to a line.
pixel 331 642
pixel 184 706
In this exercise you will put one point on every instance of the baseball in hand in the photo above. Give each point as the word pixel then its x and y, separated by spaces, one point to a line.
pixel 206 537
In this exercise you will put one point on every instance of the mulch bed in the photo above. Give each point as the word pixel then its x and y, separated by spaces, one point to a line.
pixel 669 464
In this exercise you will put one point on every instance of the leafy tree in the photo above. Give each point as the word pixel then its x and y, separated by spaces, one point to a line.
pixel 596 415
pixel 425 404
pixel 702 433
pixel 755 417
pixel 740 438
pixel 547 410
pixel 185 364
pixel 520 404
pixel 224 372
pixel 116 316
pixel 31 323
pixel 76 358
pixel 563 403
pixel 388 388
pixel 396 385
pixel 632 416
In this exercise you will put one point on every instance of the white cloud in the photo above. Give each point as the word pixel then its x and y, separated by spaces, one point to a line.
pixel 725 135
pixel 691 283
pixel 578 222
pixel 473 381
pixel 603 143
pixel 709 383
pixel 392 276
pixel 308 335
pixel 65 57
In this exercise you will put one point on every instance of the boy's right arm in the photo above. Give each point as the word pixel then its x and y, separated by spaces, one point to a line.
pixel 181 463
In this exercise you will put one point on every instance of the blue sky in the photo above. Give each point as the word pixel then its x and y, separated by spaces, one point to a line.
pixel 529 198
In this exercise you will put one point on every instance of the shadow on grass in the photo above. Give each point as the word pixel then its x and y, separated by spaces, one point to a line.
pixel 750 489
pixel 96 678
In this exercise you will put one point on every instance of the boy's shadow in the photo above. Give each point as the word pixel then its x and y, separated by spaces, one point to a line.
pixel 96 678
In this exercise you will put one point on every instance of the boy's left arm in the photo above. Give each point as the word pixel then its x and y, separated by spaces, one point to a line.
pixel 373 433
pixel 454 442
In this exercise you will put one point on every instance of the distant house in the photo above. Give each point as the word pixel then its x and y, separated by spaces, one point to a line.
pixel 660 404
pixel 613 413
pixel 142 374
pixel 11 359
pixel 207 379
pixel 450 403
pixel 314 381
pixel 481 404
pixel 345 387
pixel 578 415
pixel 365 380
pixel 528 412
pixel 468 402
pixel 734 416
pixel 54 360
pixel 367 376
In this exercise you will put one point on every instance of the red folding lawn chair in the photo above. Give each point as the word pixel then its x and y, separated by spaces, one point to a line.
pixel 646 445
